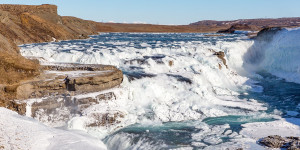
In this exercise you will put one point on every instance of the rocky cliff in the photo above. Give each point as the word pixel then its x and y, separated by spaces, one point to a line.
pixel 20 24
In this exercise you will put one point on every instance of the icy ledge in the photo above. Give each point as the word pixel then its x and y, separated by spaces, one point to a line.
pixel 19 132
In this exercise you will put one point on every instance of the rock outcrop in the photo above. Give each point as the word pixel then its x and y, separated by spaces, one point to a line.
pixel 235 27
pixel 276 141
pixel 221 56
pixel 20 24
pixel 50 83
pixel 82 79
pixel 267 34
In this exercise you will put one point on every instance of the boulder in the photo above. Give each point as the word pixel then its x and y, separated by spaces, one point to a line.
pixel 221 55
pixel 235 27
pixel 268 33
pixel 276 141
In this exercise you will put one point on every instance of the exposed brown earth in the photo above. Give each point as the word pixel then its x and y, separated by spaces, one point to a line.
pixel 119 27
pixel 20 24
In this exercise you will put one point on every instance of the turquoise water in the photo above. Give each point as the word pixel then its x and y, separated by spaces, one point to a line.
pixel 277 95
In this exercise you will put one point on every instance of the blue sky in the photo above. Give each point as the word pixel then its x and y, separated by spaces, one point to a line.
pixel 170 11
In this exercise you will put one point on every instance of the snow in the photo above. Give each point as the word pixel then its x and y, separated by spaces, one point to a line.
pixel 19 132
pixel 282 127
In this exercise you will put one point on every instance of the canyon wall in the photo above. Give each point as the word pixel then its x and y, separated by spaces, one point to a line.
pixel 21 24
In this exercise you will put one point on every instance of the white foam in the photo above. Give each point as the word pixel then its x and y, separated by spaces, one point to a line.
pixel 280 56
pixel 212 92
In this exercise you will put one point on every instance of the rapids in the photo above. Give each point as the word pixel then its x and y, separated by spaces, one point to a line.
pixel 177 93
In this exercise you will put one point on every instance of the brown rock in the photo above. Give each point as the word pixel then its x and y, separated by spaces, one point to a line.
pixel 171 63
pixel 235 27
pixel 267 34
pixel 107 96
pixel 221 55
pixel 276 141
pixel 103 77
pixel 20 24
pixel 48 84
pixel 14 105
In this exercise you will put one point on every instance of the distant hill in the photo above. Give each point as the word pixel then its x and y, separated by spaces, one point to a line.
pixel 255 24
pixel 202 26
pixel 121 27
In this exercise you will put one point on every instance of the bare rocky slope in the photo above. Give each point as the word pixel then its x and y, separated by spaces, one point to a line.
pixel 20 24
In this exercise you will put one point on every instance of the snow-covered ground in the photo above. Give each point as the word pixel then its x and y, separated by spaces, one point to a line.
pixel 20 132
pixel 282 127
